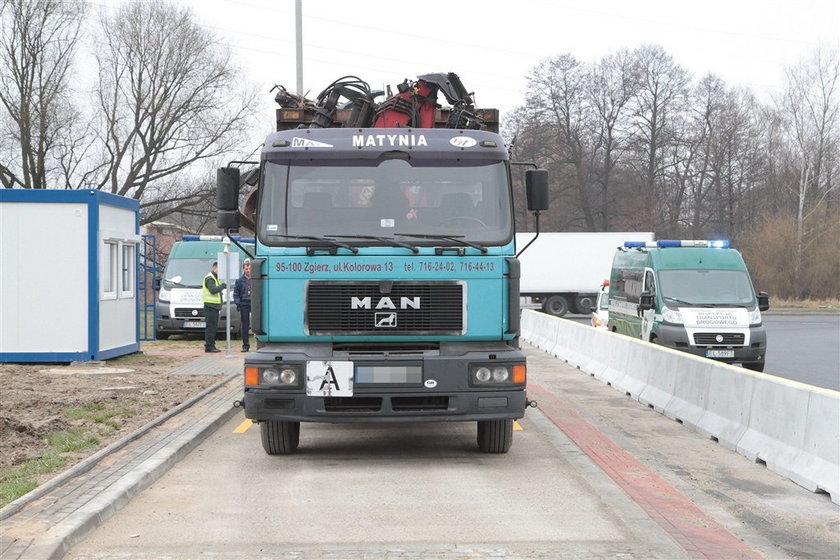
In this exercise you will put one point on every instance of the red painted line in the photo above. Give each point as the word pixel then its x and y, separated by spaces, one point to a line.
pixel 697 533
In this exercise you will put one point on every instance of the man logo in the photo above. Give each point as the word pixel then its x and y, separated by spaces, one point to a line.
pixel 385 320
pixel 384 303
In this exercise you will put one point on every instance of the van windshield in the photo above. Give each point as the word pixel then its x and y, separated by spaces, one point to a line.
pixel 706 287
pixel 185 273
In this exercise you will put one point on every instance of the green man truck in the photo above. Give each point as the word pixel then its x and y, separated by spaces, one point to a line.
pixel 385 286
pixel 695 296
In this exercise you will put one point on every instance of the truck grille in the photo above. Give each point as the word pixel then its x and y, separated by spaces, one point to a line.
pixel 385 308
pixel 187 313
pixel 727 339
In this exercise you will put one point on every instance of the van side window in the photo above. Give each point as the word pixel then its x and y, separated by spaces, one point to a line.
pixel 628 285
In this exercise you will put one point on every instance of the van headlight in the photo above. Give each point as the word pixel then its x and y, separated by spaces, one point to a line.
pixel 755 316
pixel 671 316
pixel 163 294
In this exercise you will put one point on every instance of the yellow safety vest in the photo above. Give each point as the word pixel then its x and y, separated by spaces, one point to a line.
pixel 208 297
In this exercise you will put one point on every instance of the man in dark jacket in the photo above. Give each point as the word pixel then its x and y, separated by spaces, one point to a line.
pixel 211 295
pixel 242 299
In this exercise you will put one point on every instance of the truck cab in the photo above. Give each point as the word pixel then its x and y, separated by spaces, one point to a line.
pixel 695 296
pixel 179 308
pixel 385 286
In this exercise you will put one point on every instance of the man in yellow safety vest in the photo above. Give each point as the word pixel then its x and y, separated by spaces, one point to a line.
pixel 211 295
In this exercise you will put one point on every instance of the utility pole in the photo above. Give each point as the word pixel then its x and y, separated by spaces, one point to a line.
pixel 299 46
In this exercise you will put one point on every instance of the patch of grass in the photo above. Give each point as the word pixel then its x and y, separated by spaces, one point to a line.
pixel 816 305
pixel 17 481
pixel 100 413
pixel 74 439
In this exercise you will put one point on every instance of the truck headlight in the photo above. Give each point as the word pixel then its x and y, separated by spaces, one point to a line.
pixel 489 375
pixel 281 375
pixel 755 317
pixel 671 316
pixel 163 294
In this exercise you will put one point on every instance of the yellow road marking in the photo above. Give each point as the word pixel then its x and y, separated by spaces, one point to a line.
pixel 241 428
pixel 517 427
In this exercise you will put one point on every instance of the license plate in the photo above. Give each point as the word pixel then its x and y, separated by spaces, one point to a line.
pixel 720 353
pixel 194 324
pixel 329 379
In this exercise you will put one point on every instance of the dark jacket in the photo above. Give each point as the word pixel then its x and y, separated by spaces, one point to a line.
pixel 242 291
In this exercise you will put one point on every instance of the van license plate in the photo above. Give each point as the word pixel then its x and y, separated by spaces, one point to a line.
pixel 720 353
pixel 194 324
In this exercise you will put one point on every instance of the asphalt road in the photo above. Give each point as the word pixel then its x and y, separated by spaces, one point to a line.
pixel 592 474
pixel 802 347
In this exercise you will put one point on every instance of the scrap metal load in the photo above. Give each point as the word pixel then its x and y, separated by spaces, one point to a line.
pixel 350 103
pixel 414 105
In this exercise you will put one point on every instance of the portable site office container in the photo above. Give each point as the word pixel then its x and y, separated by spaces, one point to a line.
pixel 68 275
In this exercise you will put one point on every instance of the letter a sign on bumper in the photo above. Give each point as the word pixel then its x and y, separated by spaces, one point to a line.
pixel 329 379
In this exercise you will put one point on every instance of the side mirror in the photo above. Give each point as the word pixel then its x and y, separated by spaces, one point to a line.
pixel 536 189
pixel 156 284
pixel 227 198
pixel 763 301
pixel 646 301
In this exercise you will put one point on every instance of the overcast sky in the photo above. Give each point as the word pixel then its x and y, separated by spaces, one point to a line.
pixel 493 45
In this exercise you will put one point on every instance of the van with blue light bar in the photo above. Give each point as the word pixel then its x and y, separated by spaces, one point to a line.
pixel 691 295
pixel 179 308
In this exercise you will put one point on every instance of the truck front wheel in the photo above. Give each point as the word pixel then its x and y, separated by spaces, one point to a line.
pixel 278 437
pixel 495 436
pixel 556 305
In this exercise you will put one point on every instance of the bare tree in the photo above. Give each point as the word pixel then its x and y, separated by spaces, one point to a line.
pixel 613 84
pixel 38 39
pixel 811 109
pixel 662 87
pixel 169 96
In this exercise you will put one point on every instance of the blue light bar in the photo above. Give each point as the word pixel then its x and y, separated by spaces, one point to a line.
pixel 216 238
pixel 634 244
pixel 668 243
pixel 720 244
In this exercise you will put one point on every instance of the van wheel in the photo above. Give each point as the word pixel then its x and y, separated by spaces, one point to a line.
pixel 758 366
pixel 161 336
pixel 556 305
pixel 495 436
pixel 279 438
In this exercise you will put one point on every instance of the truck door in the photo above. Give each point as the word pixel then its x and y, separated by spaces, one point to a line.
pixel 648 315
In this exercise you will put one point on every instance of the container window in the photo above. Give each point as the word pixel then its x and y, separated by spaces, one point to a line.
pixel 108 272
pixel 127 271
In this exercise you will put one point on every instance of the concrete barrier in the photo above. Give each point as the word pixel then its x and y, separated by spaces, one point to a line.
pixel 791 427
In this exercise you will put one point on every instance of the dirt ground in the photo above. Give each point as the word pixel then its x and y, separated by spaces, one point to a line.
pixel 75 415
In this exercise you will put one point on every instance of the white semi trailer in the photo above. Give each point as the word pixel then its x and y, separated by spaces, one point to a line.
pixel 562 272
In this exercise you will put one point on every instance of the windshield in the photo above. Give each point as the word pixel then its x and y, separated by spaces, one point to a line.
pixel 706 287
pixel 185 273
pixel 365 200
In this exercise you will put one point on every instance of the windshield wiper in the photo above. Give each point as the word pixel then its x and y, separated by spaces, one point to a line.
pixel 178 284
pixel 326 240
pixel 453 238
pixel 377 238
pixel 691 303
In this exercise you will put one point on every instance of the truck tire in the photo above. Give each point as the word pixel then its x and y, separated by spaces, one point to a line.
pixel 279 438
pixel 584 304
pixel 495 436
pixel 556 305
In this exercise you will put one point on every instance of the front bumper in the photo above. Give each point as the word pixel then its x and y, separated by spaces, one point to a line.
pixel 676 337
pixel 167 324
pixel 444 393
